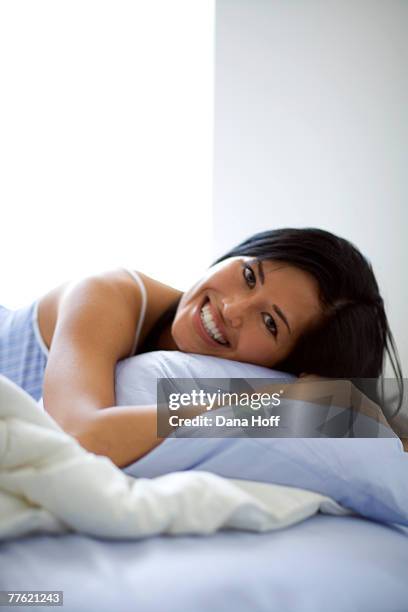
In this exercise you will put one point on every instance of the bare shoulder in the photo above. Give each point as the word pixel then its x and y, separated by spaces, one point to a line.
pixel 121 280
pixel 155 289
pixel 159 297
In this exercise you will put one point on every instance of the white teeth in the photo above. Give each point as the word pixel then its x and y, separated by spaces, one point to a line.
pixel 210 326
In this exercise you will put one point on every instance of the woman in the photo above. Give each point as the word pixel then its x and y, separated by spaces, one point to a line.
pixel 299 300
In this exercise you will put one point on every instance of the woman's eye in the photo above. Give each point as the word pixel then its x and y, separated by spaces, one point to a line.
pixel 249 276
pixel 270 323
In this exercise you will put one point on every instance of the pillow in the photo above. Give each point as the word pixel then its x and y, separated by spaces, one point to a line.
pixel 366 475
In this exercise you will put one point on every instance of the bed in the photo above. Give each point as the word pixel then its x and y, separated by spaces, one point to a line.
pixel 326 563
pixel 355 563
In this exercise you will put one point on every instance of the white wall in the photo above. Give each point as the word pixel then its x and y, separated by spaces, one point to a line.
pixel 311 128
pixel 106 117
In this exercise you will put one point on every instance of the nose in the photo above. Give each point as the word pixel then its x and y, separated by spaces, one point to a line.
pixel 234 310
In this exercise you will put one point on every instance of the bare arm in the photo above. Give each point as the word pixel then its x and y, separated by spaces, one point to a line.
pixel 125 433
pixel 122 433
pixel 95 328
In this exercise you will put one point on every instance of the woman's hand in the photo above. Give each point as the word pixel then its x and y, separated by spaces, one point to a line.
pixel 318 390
pixel 340 392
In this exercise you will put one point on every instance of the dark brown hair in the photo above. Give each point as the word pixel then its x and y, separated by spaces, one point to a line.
pixel 353 336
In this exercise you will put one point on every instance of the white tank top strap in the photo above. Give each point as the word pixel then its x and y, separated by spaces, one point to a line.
pixel 143 291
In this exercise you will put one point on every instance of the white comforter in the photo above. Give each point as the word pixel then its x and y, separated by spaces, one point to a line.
pixel 49 483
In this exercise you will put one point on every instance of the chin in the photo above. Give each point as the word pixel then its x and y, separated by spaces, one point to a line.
pixel 186 346
pixel 181 343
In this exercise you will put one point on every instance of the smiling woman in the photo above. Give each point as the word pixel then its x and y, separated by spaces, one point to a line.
pixel 300 300
pixel 328 294
pixel 247 310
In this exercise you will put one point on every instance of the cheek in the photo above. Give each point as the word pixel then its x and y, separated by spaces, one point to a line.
pixel 185 298
pixel 177 329
pixel 181 329
pixel 254 347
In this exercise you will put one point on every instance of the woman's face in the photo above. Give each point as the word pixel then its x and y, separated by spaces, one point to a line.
pixel 247 311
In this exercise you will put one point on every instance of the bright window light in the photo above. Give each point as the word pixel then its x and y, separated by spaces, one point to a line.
pixel 106 123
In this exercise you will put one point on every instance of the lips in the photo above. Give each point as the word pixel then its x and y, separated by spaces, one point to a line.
pixel 217 320
pixel 201 329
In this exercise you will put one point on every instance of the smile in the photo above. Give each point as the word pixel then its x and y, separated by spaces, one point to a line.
pixel 210 325
pixel 207 325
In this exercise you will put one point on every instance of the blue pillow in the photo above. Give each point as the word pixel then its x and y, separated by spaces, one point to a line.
pixel 367 475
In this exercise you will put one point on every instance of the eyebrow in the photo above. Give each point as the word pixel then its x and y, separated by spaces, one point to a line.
pixel 275 307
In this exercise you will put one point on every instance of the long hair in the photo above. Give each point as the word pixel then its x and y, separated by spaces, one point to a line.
pixel 353 336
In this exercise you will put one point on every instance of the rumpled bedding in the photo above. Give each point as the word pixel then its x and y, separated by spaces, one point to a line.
pixel 49 483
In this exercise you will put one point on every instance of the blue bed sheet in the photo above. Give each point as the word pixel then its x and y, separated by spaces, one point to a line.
pixel 326 563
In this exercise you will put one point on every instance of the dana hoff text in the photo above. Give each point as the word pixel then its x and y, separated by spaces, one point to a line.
pixel 222 421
